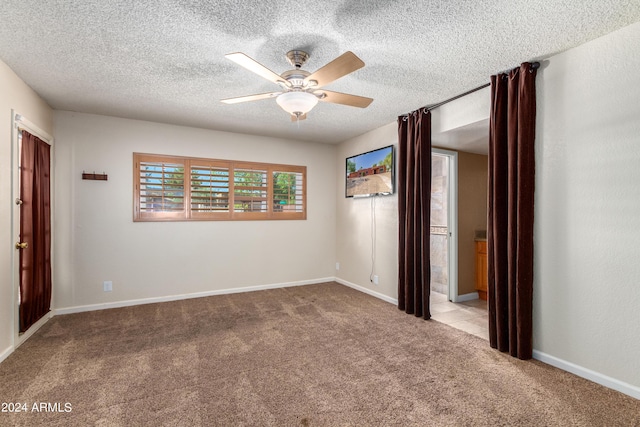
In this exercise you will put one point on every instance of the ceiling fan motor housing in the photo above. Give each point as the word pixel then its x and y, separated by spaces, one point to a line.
pixel 296 78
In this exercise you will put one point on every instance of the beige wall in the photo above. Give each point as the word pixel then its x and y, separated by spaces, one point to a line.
pixel 472 214
pixel 587 207
pixel 353 233
pixel 98 240
pixel 354 221
pixel 16 95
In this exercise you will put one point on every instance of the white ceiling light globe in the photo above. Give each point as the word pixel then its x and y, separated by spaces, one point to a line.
pixel 297 103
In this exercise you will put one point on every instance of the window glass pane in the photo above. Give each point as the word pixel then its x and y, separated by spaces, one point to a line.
pixel 250 190
pixel 161 187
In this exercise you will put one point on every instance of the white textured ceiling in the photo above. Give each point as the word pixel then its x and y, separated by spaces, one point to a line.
pixel 164 60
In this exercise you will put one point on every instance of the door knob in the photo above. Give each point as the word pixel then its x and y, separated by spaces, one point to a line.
pixel 22 245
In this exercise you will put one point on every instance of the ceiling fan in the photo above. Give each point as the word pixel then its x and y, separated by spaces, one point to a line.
pixel 300 90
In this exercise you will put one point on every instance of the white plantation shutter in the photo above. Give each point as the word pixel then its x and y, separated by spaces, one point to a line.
pixel 213 189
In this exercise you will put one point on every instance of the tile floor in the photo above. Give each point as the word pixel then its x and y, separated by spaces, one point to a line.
pixel 469 316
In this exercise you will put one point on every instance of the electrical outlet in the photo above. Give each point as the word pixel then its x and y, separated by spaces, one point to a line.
pixel 337 266
pixel 107 285
pixel 375 280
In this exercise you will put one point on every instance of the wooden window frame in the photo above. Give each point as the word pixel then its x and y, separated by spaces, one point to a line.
pixel 189 213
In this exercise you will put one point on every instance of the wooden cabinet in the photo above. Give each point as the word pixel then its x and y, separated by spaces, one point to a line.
pixel 481 269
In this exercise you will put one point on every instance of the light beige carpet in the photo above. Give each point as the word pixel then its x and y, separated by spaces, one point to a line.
pixel 317 355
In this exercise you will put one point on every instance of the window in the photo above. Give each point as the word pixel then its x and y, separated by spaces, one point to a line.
pixel 170 188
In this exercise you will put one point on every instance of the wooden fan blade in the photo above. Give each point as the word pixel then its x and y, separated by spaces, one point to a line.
pixel 344 98
pixel 344 64
pixel 297 119
pixel 256 67
pixel 250 97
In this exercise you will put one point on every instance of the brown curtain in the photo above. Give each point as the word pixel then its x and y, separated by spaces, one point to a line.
pixel 414 209
pixel 510 216
pixel 35 230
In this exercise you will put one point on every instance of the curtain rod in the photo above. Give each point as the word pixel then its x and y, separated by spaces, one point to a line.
pixel 446 101
pixel 22 123
pixel 534 66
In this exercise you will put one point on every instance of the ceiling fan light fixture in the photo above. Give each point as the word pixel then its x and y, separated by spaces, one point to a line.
pixel 300 92
pixel 297 103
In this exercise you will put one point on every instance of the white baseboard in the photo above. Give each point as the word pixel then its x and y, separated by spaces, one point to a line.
pixel 367 291
pixel 128 303
pixel 34 328
pixel 467 297
pixel 22 338
pixel 588 374
pixel 7 351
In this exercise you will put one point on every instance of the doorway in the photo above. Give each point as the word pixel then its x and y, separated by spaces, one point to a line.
pixel 444 223
pixel 31 227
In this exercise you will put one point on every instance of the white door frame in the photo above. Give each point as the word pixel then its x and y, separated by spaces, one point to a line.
pixel 20 122
pixel 452 221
